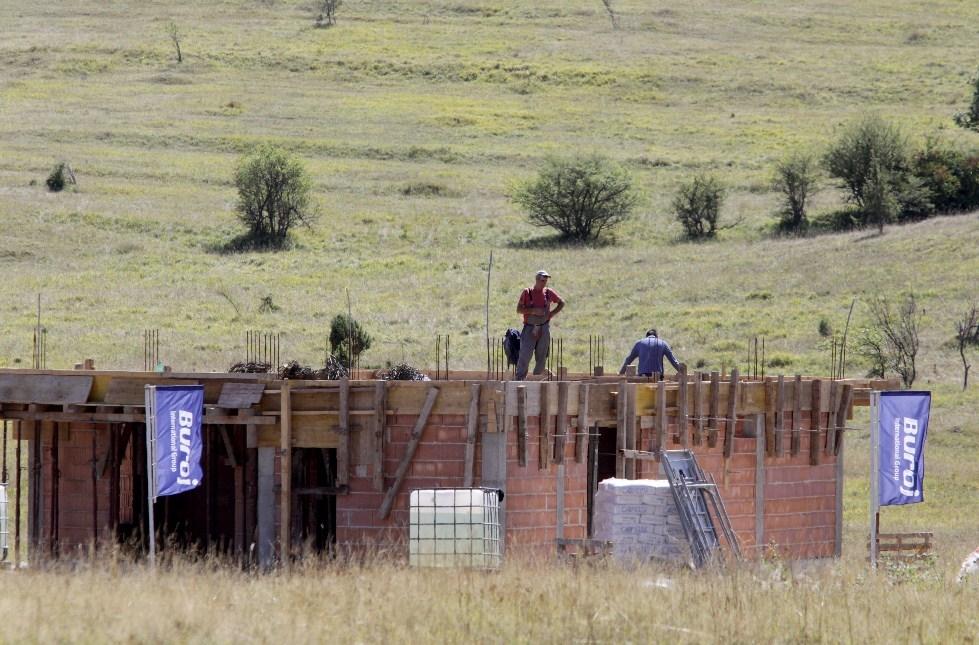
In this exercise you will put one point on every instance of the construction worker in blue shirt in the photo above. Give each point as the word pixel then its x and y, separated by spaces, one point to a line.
pixel 650 351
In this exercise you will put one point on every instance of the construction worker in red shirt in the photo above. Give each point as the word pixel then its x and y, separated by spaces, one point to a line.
pixel 534 305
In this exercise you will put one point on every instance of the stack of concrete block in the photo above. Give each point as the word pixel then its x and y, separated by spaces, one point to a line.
pixel 640 519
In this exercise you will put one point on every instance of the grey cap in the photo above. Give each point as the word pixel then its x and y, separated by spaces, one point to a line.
pixel 543 274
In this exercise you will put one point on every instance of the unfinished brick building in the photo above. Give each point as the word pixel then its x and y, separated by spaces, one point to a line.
pixel 356 448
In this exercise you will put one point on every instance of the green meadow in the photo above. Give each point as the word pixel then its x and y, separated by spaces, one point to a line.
pixel 413 119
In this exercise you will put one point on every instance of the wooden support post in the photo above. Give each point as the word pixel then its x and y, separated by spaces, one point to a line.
pixel 732 407
pixel 54 533
pixel 796 415
pixel 846 398
pixel 698 409
pixel 265 504
pixel 561 433
pixel 838 520
pixel 759 481
pixel 630 429
pixel 17 492
pixel 380 416
pixel 620 432
pixel 544 445
pixel 472 422
pixel 522 425
pixel 713 410
pixel 416 435
pixel 343 443
pixel 659 443
pixel 285 474
pixel 681 404
pixel 581 436
pixel 831 425
pixel 814 419
pixel 768 434
pixel 780 417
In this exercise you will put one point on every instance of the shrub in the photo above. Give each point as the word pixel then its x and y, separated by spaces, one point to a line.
pixel 348 340
pixel 60 175
pixel 795 178
pixel 697 206
pixel 273 195
pixel 970 118
pixel 950 176
pixel 871 160
pixel 580 197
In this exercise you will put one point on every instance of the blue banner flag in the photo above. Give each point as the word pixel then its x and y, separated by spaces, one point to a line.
pixel 903 425
pixel 178 411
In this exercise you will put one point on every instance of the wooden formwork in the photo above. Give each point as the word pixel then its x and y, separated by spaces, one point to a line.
pixel 83 441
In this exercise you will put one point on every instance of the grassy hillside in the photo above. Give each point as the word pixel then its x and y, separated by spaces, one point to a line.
pixel 460 98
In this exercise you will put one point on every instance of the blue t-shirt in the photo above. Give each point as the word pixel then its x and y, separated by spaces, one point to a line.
pixel 650 351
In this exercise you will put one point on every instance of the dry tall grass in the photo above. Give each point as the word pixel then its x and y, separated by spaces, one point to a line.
pixel 526 602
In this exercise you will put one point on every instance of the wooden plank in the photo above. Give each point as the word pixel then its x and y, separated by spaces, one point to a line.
pixel 240 395
pixel 126 391
pixel 681 404
pixel 343 449
pixel 630 429
pixel 620 431
pixel 639 455
pixel 796 416
pixel 229 447
pixel 659 441
pixel 768 428
pixel 581 435
pixel 48 389
pixel 265 506
pixel 379 421
pixel 714 408
pixel 780 417
pixel 842 412
pixel 561 433
pixel 831 424
pixel 814 420
pixel 472 420
pixel 731 420
pixel 759 422
pixel 544 444
pixel 838 503
pixel 285 478
pixel 416 435
pixel 522 425
pixel 698 409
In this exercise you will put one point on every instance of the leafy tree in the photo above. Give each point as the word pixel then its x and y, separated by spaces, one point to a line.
pixel 871 160
pixel 580 197
pixel 348 340
pixel 697 206
pixel 273 195
pixel 795 178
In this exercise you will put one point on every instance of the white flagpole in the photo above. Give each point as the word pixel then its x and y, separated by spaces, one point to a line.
pixel 874 468
pixel 150 394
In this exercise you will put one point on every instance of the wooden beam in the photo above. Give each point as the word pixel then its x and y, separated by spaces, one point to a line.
pixel 416 435
pixel 681 404
pixel 620 431
pixel 713 409
pixel 780 417
pixel 380 389
pixel 759 481
pixel 285 475
pixel 229 447
pixel 831 424
pixel 522 425
pixel 796 416
pixel 698 409
pixel 472 421
pixel 581 436
pixel 731 421
pixel 544 444
pixel 630 429
pixel 659 441
pixel 343 449
pixel 846 398
pixel 561 433
pixel 814 419
pixel 768 428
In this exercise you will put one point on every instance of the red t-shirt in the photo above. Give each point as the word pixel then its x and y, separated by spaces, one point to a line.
pixel 535 299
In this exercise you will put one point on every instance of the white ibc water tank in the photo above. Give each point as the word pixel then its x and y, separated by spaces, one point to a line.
pixel 454 527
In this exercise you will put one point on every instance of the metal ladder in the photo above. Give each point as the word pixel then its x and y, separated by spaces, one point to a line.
pixel 695 494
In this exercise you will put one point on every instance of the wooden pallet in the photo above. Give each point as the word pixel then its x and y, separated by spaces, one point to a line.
pixel 904 547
